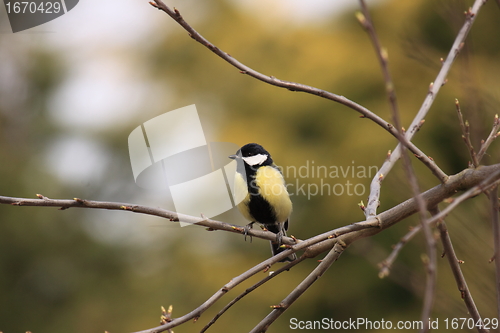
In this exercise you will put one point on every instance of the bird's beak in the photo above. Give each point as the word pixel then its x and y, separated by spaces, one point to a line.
pixel 233 157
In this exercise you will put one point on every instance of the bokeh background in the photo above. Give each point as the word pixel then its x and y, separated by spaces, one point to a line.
pixel 73 89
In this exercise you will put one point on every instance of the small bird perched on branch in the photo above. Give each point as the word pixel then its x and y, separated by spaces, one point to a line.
pixel 261 185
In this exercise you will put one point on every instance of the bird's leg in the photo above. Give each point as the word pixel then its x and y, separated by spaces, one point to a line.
pixel 246 229
pixel 278 230
pixel 279 237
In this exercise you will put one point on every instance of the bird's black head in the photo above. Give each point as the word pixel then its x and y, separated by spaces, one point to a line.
pixel 253 155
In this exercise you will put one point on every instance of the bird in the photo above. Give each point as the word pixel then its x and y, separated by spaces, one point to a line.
pixel 262 194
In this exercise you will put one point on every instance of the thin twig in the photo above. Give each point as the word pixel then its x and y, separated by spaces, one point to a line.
pixel 323 266
pixel 430 286
pixel 367 23
pixel 484 186
pixel 440 80
pixel 385 266
pixel 250 289
pixel 373 199
pixel 464 125
pixel 64 204
pixel 496 241
pixel 430 261
pixel 449 252
pixel 294 86
pixel 493 135
pixel 427 160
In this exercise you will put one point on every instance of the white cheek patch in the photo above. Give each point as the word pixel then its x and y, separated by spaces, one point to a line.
pixel 254 160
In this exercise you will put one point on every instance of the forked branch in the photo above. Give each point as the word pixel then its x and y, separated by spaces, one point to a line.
pixel 464 125
pixel 493 135
pixel 434 87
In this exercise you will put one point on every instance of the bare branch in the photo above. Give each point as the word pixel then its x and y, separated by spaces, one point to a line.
pixel 446 66
pixel 373 199
pixel 430 261
pixel 367 23
pixel 464 125
pixel 449 252
pixel 427 160
pixel 385 266
pixel 250 289
pixel 323 266
pixel 430 286
pixel 293 86
pixel 493 135
pixel 484 186
pixel 496 240
pixel 211 225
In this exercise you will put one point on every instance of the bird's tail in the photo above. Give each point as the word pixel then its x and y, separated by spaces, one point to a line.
pixel 279 229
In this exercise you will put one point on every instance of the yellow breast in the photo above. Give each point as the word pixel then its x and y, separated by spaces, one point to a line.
pixel 272 188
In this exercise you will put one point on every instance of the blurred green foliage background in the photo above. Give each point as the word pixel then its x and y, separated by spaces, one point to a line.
pixel 89 271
